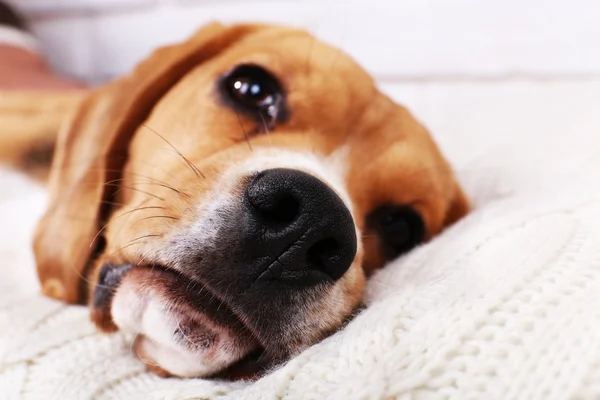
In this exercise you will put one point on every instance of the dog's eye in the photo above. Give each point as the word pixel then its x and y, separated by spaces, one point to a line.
pixel 253 90
pixel 400 229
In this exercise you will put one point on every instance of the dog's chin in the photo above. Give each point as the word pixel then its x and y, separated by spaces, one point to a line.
pixel 187 328
pixel 182 327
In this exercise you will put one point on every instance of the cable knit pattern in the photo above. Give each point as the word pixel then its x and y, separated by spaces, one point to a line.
pixel 504 305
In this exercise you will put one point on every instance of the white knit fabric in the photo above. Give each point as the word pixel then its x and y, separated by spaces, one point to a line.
pixel 504 305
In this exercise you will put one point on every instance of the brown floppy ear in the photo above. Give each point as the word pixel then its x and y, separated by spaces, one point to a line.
pixel 93 145
pixel 459 206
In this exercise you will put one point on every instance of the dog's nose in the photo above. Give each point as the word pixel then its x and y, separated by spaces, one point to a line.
pixel 300 224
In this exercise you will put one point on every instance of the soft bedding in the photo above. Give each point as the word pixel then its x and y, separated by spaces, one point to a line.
pixel 503 305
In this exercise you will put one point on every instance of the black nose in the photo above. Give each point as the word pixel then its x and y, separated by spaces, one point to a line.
pixel 300 224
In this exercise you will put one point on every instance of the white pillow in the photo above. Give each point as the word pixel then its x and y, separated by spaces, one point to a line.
pixel 505 304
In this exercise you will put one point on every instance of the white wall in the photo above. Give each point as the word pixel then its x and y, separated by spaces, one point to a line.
pixel 394 39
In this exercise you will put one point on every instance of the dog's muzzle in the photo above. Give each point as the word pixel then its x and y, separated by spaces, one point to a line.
pixel 284 243
pixel 276 251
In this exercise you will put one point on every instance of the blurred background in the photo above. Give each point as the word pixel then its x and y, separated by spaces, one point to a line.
pixel 505 84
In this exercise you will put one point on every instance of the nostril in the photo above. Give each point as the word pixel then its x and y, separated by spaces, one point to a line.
pixel 283 209
pixel 273 201
pixel 326 256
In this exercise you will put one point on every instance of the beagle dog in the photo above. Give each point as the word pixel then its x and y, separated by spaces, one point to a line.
pixel 226 201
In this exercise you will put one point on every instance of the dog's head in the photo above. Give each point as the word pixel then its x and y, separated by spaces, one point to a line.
pixel 229 197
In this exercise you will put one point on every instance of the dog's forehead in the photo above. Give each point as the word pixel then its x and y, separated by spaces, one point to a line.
pixel 325 88
pixel 294 51
pixel 299 60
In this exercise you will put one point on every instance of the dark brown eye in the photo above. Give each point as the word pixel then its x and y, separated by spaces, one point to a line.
pixel 254 91
pixel 400 228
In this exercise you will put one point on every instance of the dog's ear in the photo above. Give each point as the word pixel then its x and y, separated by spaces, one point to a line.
pixel 459 206
pixel 92 150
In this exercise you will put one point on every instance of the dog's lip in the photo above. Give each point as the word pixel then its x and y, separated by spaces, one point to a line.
pixel 188 283
pixel 109 278
pixel 250 365
pixel 225 305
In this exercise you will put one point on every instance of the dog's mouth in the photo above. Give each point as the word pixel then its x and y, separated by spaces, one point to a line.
pixel 200 321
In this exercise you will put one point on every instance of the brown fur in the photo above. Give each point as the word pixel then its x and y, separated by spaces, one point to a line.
pixel 116 162
pixel 30 122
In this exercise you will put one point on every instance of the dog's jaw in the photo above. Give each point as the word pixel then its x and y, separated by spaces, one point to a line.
pixel 180 338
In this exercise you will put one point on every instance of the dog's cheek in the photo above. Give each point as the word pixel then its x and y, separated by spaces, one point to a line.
pixel 338 305
pixel 105 285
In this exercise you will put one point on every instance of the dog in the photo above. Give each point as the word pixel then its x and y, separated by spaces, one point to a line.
pixel 227 200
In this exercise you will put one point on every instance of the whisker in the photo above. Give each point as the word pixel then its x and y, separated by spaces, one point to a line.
pixel 134 242
pixel 179 192
pixel 262 117
pixel 243 130
pixel 111 203
pixel 141 261
pixel 145 360
pixel 152 179
pixel 133 188
pixel 183 333
pixel 122 227
pixel 144 237
pixel 155 216
pixel 90 281
pixel 195 169
pixel 122 215
pixel 161 184
pixel 126 172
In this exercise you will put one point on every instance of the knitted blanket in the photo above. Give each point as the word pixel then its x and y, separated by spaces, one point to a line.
pixel 504 305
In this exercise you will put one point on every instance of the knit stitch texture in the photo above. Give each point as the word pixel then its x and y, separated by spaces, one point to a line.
pixel 504 305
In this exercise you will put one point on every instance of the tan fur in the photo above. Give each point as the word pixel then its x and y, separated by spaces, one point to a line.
pixel 29 125
pixel 117 160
